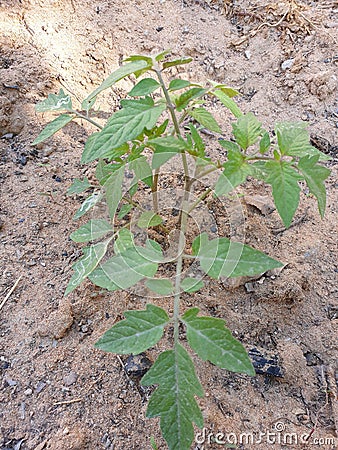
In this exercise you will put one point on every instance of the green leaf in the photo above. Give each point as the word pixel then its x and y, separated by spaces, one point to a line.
pixel 113 189
pixel 191 284
pixel 53 102
pixel 174 399
pixel 92 230
pixel 293 140
pixel 176 62
pixel 222 257
pixel 198 141
pixel 229 145
pixel 104 171
pixel 124 241
pixel 149 219
pixel 209 338
pixel 125 125
pixel 142 171
pixel 144 87
pixel 160 56
pixel 230 92
pixel 78 186
pixel 206 119
pixel 162 286
pixel 165 148
pixel 247 130
pixel 124 270
pixel 184 99
pixel 139 331
pixel 315 175
pixel 87 264
pixel 228 102
pixel 236 169
pixel 175 85
pixel 264 143
pixel 52 127
pixel 124 210
pixel 89 203
pixel 285 189
pixel 120 73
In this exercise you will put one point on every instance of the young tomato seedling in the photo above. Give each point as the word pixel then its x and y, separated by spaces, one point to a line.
pixel 160 123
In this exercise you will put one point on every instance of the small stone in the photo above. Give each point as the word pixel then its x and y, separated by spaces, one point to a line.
pixel 287 64
pixel 40 386
pixel 7 136
pixel 28 391
pixel 247 54
pixel 186 30
pixel 136 366
pixel 249 287
pixel 10 382
pixel 70 379
pixel 84 329
pixel 31 263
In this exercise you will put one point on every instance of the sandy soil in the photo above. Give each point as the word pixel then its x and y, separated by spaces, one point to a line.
pixel 57 391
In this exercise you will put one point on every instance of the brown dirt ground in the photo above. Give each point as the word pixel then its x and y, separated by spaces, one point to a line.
pixel 57 391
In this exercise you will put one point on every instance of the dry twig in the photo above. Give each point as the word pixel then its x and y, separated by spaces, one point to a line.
pixel 10 292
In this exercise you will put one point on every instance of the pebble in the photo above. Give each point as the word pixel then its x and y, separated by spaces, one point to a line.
pixel 28 391
pixel 10 382
pixel 287 64
pixel 70 379
pixel 7 136
pixel 186 30
pixel 247 54
pixel 40 386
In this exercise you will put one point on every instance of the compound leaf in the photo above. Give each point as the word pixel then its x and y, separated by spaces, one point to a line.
pixel 78 186
pixel 124 270
pixel 126 124
pixel 209 338
pixel 264 143
pixel 113 189
pixel 162 286
pixel 165 148
pixel 206 119
pixel 246 130
pixel 228 102
pixel 222 257
pixel 149 219
pixel 191 284
pixel 89 203
pixel 176 85
pixel 144 87
pixel 139 331
pixel 92 230
pixel 87 264
pixel 120 73
pixel 315 175
pixel 293 140
pixel 52 127
pixel 176 62
pixel 55 102
pixel 142 171
pixel 125 240
pixel 236 169
pixel 174 399
pixel 285 189
pixel 184 99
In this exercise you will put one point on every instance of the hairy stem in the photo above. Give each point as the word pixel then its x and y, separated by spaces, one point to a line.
pixel 81 116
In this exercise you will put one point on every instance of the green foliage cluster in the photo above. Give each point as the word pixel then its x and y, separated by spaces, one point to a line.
pixel 156 122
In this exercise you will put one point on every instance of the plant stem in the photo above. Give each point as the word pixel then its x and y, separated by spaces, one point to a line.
pixel 175 121
pixel 154 190
pixel 184 210
pixel 81 116
pixel 199 199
